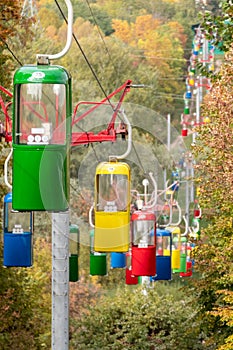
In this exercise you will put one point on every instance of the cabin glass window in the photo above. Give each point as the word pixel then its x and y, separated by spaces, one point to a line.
pixel 112 192
pixel 40 113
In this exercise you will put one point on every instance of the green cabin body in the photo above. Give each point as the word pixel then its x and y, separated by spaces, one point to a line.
pixel 41 138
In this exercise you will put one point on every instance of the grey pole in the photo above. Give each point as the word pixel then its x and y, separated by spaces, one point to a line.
pixel 187 198
pixel 169 132
pixel 168 148
pixel 60 281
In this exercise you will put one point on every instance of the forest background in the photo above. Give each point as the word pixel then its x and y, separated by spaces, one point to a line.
pixel 149 43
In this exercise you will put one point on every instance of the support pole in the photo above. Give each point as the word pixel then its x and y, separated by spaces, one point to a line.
pixel 187 199
pixel 168 148
pixel 60 281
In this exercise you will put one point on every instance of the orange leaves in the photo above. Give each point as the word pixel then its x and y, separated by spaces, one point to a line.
pixel 215 143
pixel 10 14
pixel 122 30
pixel 144 25
pixel 161 44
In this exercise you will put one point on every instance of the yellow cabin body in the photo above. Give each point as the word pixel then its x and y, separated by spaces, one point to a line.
pixel 112 207
pixel 176 242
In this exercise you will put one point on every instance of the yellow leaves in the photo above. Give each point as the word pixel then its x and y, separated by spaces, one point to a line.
pixel 51 32
pixel 225 310
pixel 144 25
pixel 152 36
pixel 130 33
pixel 82 28
pixel 122 30
pixel 178 31
pixel 48 16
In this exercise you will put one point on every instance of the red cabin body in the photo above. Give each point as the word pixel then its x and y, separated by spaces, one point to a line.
pixel 129 278
pixel 143 237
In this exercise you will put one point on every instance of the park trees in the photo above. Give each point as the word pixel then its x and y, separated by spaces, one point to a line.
pixel 10 23
pixel 214 255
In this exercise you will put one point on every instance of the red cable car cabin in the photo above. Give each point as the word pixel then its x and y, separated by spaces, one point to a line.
pixel 143 231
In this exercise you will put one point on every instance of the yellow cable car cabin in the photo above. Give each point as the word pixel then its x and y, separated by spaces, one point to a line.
pixel 176 246
pixel 112 207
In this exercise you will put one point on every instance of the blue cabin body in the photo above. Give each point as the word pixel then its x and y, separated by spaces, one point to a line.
pixel 163 256
pixel 118 260
pixel 17 236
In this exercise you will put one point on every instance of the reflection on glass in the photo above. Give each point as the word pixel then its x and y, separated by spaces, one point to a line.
pixel 112 192
pixel 41 114
pixel 17 219
pixel 143 232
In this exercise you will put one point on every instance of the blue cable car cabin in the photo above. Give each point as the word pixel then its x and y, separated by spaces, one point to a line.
pixel 17 236
pixel 163 255
pixel 118 260
pixel 41 138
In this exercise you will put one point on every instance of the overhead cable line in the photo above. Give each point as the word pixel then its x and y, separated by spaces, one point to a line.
pixel 164 96
pixel 101 36
pixel 139 160
pixel 161 58
pixel 12 53
pixel 171 79
pixel 157 51
pixel 98 28
pixel 85 57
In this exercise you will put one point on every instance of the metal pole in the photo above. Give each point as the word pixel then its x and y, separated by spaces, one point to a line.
pixel 187 194
pixel 169 132
pixel 168 148
pixel 60 281
pixel 192 181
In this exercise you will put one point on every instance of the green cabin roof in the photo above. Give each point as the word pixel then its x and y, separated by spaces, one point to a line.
pixel 45 74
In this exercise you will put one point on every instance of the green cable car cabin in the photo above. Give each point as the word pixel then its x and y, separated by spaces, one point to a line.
pixel 41 138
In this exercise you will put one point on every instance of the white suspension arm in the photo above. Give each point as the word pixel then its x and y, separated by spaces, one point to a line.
pixel 69 35
pixel 90 215
pixel 124 155
pixel 6 169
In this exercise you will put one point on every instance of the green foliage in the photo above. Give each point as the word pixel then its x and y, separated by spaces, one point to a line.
pixel 25 304
pixel 135 320
pixel 214 258
pixel 218 27
pixel 95 15
pixel 162 319
pixel 10 15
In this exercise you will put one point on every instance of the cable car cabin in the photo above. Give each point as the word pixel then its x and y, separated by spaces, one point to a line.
pixel 74 253
pixel 118 260
pixel 189 270
pixel 183 255
pixel 175 177
pixel 17 236
pixel 189 263
pixel 98 261
pixel 196 232
pixel 163 255
pixel 143 231
pixel 41 138
pixel 176 245
pixel 112 207
pixel 129 278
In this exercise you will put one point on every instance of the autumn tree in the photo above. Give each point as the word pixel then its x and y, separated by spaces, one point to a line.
pixel 214 172
pixel 160 46
pixel 10 23
pixel 132 318
pixel 10 14
pixel 214 256
pixel 25 303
